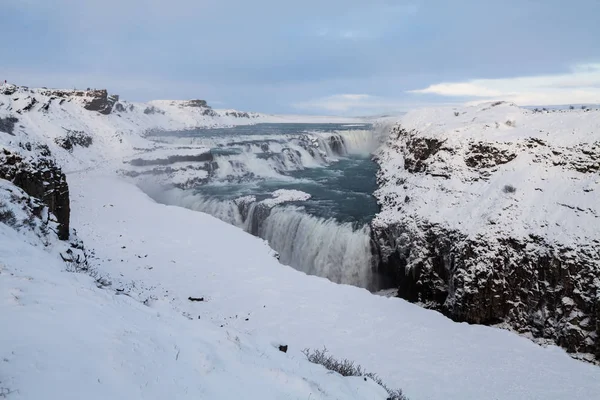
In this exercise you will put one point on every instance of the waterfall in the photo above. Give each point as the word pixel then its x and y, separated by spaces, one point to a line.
pixel 225 210
pixel 317 246
pixel 320 247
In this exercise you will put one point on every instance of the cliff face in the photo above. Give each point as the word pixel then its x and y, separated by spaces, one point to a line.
pixel 493 216
pixel 38 175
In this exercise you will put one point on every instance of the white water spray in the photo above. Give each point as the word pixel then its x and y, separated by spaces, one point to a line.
pixel 320 247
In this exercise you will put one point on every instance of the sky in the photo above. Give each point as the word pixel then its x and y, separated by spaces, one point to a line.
pixel 331 57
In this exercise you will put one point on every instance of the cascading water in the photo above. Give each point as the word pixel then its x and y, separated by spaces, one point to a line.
pixel 305 189
pixel 320 247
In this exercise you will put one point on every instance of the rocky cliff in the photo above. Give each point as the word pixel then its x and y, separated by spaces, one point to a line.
pixel 491 215
pixel 35 172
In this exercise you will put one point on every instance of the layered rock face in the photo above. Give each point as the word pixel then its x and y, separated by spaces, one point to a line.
pixel 492 216
pixel 38 175
pixel 93 99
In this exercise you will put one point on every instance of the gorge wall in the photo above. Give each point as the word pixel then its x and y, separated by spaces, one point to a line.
pixel 491 215
pixel 36 173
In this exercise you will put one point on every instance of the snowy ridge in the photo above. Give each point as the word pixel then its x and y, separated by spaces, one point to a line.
pixel 50 115
pixel 477 201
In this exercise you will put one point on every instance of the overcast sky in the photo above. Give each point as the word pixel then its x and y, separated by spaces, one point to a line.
pixel 312 56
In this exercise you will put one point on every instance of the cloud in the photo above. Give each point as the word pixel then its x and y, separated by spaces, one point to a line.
pixel 580 85
pixel 469 89
pixel 359 104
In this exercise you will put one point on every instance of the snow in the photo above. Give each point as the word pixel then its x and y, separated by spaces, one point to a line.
pixel 62 337
pixel 421 351
pixel 546 190
pixel 284 196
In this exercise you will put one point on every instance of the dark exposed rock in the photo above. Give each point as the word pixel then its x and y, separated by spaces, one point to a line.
pixel 421 150
pixel 336 143
pixel 74 138
pixel 99 102
pixel 237 114
pixel 8 124
pixel 485 155
pixel 40 177
pixel 29 105
pixel 209 112
pixel 8 90
pixel 94 99
pixel 418 150
pixel 546 290
pixel 196 103
pixel 253 214
pixel 119 107
pixel 46 106
pixel 32 217
pixel 153 110
pixel 139 162
pixel 537 286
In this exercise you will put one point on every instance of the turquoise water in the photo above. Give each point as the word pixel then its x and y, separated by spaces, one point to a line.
pixel 327 235
pixel 341 188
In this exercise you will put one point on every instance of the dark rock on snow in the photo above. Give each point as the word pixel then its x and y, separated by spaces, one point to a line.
pixel 40 177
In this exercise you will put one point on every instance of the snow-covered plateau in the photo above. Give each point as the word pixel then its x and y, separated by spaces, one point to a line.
pixel 174 303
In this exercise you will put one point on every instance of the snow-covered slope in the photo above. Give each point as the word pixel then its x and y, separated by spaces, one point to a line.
pixel 163 255
pixel 64 338
pixel 491 213
pixel 142 337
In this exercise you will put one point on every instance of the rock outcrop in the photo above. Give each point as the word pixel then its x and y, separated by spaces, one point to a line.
pixel 38 175
pixel 496 223
pixel 93 99
pixel 73 139
pixel 7 124
pixel 172 159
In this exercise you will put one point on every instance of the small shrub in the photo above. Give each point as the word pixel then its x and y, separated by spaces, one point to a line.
pixel 7 216
pixel 456 113
pixel 346 367
pixel 509 189
pixel 571 107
